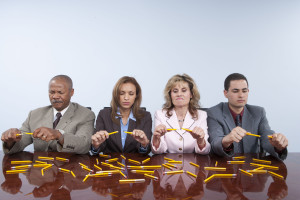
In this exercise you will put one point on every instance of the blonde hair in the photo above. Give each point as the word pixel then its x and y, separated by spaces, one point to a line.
pixel 194 102
pixel 115 101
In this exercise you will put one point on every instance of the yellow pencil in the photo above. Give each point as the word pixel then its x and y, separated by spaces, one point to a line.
pixel 86 177
pixel 168 159
pixel 123 157
pixel 175 161
pixel 209 178
pixel 45 158
pixel 16 171
pixel 41 165
pixel 130 133
pixel 18 134
pixel 104 156
pixel 261 161
pixel 111 160
pixel 115 167
pixel 123 175
pixel 97 161
pixel 275 175
pixel 171 129
pixel 64 170
pixel 260 171
pixel 100 175
pixel 73 174
pixel 142 171
pixel 105 164
pixel 265 166
pixel 113 132
pixel 40 162
pixel 21 162
pixel 270 136
pixel 83 165
pixel 259 168
pixel 166 166
pixel 21 167
pixel 252 134
pixel 215 168
pixel 238 157
pixel 97 167
pixel 132 181
pixel 236 162
pixel 187 129
pixel 246 173
pixel 145 167
pixel 174 172
pixel 146 160
pixel 134 161
pixel 48 167
pixel 42 171
pixel 225 175
pixel 62 159
pixel 150 176
pixel 170 165
pixel 87 169
pixel 216 164
pixel 120 164
pixel 116 171
pixel 191 163
pixel 191 174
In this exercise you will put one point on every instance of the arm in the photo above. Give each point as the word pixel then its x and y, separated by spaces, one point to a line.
pixel 265 130
pixel 20 144
pixel 216 135
pixel 203 146
pixel 143 144
pixel 158 143
pixel 100 126
pixel 80 141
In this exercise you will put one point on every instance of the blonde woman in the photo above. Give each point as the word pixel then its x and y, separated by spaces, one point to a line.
pixel 180 111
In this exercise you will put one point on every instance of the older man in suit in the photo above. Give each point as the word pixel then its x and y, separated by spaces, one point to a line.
pixel 63 126
pixel 230 123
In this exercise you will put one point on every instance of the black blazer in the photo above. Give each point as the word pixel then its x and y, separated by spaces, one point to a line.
pixel 114 143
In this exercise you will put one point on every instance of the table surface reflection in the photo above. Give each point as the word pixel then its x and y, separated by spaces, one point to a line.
pixel 58 185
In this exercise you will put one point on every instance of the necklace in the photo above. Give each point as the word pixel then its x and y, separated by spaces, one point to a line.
pixel 181 120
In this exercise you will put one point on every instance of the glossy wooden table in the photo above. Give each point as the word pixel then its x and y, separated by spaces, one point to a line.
pixel 58 185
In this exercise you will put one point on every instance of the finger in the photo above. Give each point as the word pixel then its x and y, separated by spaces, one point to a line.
pixel 35 132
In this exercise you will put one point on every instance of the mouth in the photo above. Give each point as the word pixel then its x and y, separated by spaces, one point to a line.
pixel 126 103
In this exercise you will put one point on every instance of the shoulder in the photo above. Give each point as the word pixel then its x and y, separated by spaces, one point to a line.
pixel 146 114
pixel 255 110
pixel 79 109
pixel 217 109
pixel 161 113
pixel 41 110
pixel 105 112
pixel 201 113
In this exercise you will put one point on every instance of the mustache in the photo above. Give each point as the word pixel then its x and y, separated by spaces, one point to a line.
pixel 56 101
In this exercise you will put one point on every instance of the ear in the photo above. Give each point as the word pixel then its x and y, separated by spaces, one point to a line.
pixel 225 93
pixel 72 92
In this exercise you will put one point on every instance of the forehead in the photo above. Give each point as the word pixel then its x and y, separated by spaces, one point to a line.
pixel 58 84
pixel 238 84
pixel 127 87
pixel 180 84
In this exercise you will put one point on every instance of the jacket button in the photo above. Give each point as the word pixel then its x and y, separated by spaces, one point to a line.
pixel 180 139
pixel 180 149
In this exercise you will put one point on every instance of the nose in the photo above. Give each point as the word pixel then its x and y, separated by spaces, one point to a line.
pixel 55 95
pixel 126 96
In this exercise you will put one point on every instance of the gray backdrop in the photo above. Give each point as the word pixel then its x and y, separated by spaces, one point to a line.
pixel 96 42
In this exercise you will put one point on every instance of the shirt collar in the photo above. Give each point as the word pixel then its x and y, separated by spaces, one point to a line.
pixel 131 116
pixel 234 114
pixel 61 112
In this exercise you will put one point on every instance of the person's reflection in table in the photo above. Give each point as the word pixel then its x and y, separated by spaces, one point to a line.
pixel 180 185
pixel 110 186
pixel 234 188
pixel 12 183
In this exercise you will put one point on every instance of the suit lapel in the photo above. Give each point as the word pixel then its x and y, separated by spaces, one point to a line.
pixel 129 138
pixel 48 118
pixel 117 138
pixel 247 123
pixel 228 117
pixel 67 118
pixel 173 122
pixel 188 121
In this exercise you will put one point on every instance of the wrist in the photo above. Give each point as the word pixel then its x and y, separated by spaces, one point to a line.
pixel 144 144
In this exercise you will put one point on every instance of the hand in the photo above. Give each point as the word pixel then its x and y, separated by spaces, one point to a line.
pixel 140 136
pixel 46 134
pixel 198 134
pixel 10 137
pixel 159 131
pixel 279 141
pixel 236 135
pixel 98 138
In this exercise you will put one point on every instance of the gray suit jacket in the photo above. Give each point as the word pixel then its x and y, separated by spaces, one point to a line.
pixel 220 123
pixel 77 122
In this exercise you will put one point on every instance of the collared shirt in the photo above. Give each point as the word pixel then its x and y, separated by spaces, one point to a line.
pixel 125 127
pixel 234 115
pixel 62 112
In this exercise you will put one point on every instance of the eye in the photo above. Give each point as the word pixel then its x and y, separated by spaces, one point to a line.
pixel 245 91
pixel 122 93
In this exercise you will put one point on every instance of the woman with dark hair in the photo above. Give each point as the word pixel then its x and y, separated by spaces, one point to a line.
pixel 124 115
pixel 180 127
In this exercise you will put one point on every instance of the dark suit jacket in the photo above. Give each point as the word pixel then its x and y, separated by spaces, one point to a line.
pixel 114 143
pixel 220 123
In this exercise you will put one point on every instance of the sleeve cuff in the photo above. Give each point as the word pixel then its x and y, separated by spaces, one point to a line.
pixel 143 149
